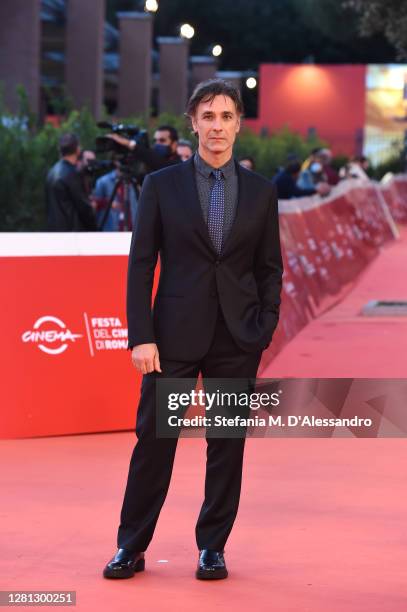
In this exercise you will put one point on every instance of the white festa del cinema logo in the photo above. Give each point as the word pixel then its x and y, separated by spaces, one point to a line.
pixel 52 339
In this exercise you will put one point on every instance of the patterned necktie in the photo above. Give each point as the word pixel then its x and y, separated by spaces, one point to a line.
pixel 216 210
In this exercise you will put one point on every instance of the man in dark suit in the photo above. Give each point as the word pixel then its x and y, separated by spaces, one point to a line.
pixel 68 206
pixel 215 226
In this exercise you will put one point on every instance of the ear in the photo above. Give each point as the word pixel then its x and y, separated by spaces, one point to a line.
pixel 238 125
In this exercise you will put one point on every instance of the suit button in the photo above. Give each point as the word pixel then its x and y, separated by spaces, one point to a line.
pixel 217 262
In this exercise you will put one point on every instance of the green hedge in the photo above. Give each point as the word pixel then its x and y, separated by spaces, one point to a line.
pixel 28 150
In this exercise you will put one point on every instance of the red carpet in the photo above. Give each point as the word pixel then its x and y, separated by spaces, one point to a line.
pixel 321 528
pixel 342 344
pixel 322 523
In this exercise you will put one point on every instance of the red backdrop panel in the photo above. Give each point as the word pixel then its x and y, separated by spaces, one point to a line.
pixel 329 98
pixel 64 331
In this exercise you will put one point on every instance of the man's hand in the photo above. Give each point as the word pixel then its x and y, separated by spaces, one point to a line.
pixel 145 358
pixel 323 189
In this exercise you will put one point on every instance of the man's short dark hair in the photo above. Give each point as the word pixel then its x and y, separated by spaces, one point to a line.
pixel 172 131
pixel 360 158
pixel 206 92
pixel 182 142
pixel 68 144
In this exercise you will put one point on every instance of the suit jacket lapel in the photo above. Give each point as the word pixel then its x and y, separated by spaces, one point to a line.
pixel 242 208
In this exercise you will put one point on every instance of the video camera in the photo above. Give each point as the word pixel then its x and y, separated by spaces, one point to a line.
pixel 97 167
pixel 104 144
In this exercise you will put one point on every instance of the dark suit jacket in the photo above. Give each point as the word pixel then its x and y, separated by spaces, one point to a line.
pixel 68 208
pixel 245 280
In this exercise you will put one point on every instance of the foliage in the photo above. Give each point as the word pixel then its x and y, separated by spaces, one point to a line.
pixel 395 164
pixel 384 16
pixel 271 151
pixel 28 150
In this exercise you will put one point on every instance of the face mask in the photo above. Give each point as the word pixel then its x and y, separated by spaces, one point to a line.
pixel 316 167
pixel 162 150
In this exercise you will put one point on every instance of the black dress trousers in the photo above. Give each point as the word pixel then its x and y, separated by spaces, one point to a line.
pixel 152 459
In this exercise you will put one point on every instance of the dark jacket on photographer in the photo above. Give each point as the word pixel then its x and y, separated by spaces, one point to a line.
pixel 68 208
pixel 155 158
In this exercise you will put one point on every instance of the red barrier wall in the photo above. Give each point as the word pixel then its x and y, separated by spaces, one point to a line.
pixel 395 194
pixel 63 326
pixel 326 244
pixel 329 98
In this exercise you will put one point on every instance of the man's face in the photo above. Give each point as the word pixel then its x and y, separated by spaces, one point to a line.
pixel 325 157
pixel 184 152
pixel 216 122
pixel 84 157
pixel 163 137
pixel 88 156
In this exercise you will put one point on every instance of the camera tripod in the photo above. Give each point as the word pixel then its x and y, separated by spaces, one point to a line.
pixel 128 181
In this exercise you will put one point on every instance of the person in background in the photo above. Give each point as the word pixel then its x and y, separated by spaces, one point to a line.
pixel 165 142
pixel 286 183
pixel 312 174
pixel 86 157
pixel 184 149
pixel 356 168
pixel 248 162
pixel 325 156
pixel 163 152
pixel 311 158
pixel 116 220
pixel 68 207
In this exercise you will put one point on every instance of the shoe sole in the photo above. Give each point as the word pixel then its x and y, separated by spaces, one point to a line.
pixel 125 573
pixel 216 575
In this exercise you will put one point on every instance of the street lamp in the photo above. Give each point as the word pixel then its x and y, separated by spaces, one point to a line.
pixel 251 83
pixel 187 31
pixel 151 6
pixel 217 50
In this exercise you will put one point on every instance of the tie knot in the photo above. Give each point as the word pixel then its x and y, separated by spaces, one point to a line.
pixel 217 174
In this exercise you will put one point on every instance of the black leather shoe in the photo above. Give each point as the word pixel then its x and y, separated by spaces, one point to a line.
pixel 211 565
pixel 124 564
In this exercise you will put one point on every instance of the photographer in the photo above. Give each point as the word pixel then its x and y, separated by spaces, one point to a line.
pixel 68 207
pixel 85 161
pixel 162 154
pixel 184 149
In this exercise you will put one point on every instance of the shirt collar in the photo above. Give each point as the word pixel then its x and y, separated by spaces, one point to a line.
pixel 205 169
